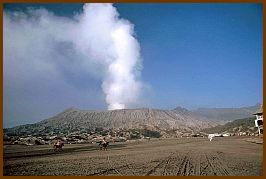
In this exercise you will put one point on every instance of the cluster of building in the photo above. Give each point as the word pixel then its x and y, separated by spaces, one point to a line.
pixel 259 120
pixel 50 140
pixel 75 138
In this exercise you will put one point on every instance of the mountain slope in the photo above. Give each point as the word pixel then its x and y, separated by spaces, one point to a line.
pixel 227 114
pixel 178 120
pixel 240 125
pixel 126 118
pixel 73 120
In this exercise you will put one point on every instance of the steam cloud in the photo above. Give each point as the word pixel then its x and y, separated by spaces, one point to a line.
pixel 96 41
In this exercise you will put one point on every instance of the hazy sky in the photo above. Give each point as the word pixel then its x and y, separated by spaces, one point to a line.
pixel 190 55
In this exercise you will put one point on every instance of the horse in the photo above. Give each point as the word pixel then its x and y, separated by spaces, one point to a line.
pixel 58 146
pixel 103 146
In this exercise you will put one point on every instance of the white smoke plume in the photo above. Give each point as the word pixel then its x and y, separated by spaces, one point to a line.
pixel 96 41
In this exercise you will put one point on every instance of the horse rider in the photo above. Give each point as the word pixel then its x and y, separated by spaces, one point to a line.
pixel 58 142
pixel 104 141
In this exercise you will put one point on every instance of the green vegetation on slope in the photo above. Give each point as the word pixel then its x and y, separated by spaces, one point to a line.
pixel 239 125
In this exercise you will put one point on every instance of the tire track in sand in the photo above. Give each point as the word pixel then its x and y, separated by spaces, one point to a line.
pixel 160 166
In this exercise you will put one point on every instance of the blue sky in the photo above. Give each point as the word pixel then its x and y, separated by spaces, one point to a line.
pixel 193 55
pixel 201 54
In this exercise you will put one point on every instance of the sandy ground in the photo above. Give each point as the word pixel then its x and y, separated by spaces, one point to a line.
pixel 233 156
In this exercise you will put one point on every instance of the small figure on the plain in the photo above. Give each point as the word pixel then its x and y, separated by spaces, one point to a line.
pixel 103 144
pixel 104 141
pixel 58 145
pixel 210 136
pixel 57 142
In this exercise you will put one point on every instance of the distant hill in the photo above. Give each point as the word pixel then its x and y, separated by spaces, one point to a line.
pixel 227 114
pixel 165 122
pixel 239 125
pixel 75 120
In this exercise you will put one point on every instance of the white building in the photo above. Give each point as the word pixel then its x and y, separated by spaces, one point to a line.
pixel 259 120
